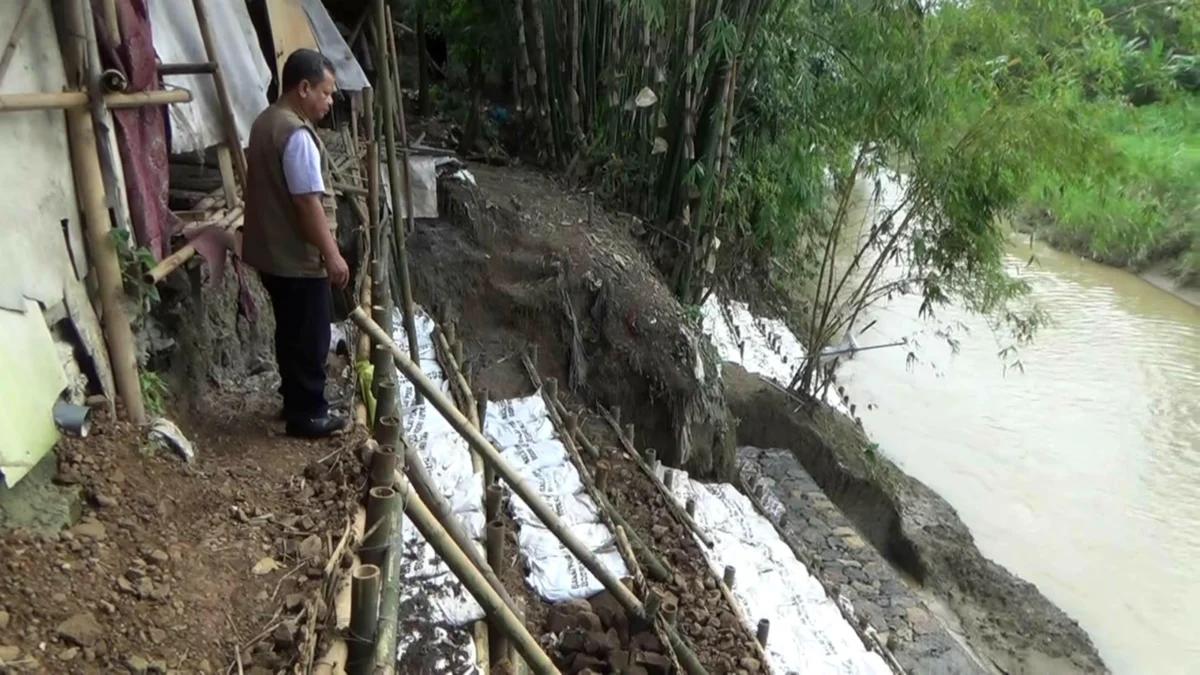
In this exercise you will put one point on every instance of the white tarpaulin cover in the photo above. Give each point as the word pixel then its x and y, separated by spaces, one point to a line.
pixel 448 460
pixel 350 75
pixel 196 126
pixel 808 633
pixel 764 346
pixel 521 429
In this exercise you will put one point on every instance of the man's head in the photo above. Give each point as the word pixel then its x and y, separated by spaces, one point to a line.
pixel 308 83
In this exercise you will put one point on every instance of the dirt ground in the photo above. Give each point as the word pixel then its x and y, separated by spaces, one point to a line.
pixel 179 567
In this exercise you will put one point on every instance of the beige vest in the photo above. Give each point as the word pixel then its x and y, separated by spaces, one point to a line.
pixel 271 239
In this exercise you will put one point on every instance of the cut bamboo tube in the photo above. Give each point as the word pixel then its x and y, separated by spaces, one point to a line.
pixel 383 467
pixel 490 455
pixel 10 47
pixel 460 565
pixel 729 576
pixel 764 630
pixel 399 190
pixel 380 501
pixel 231 219
pixel 387 431
pixel 497 644
pixel 364 617
pixel 66 100
pixel 494 498
pixel 385 399
pixel 670 610
pixel 419 480
pixel 102 250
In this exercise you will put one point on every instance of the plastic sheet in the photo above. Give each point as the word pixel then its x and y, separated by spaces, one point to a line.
pixel 808 633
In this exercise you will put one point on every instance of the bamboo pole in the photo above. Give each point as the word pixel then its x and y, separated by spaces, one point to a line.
pixel 232 219
pixel 102 250
pixel 388 632
pixel 418 478
pixel 497 641
pixel 364 617
pixel 387 430
pixel 204 68
pixel 111 24
pixel 383 467
pixel 490 455
pixel 389 133
pixel 227 119
pixel 475 583
pixel 10 47
pixel 66 100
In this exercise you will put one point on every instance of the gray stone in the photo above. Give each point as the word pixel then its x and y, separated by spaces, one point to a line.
pixel 81 630
pixel 90 530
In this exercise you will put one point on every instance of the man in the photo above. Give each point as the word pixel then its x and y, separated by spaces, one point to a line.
pixel 288 237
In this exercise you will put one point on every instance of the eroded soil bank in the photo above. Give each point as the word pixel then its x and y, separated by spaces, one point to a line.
pixel 523 263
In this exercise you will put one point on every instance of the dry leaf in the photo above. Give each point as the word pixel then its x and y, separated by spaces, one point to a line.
pixel 660 146
pixel 646 98
pixel 265 566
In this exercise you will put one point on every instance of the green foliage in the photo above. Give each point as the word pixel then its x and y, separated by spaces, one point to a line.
pixel 135 262
pixel 154 392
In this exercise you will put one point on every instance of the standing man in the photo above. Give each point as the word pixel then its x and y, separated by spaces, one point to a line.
pixel 288 237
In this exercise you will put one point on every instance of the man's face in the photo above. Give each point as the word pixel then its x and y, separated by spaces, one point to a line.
pixel 317 99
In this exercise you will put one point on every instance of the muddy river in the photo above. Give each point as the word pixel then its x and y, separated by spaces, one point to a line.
pixel 1080 474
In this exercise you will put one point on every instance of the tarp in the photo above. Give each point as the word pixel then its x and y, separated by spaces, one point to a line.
pixel 350 75
pixel 196 126
pixel 33 379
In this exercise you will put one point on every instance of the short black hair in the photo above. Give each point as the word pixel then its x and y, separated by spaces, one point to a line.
pixel 305 65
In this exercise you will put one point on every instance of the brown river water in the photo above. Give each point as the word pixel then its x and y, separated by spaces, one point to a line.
pixel 1080 474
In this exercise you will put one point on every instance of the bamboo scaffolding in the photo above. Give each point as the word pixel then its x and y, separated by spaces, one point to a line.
pixel 389 132
pixel 503 469
pixel 460 565
pixel 102 250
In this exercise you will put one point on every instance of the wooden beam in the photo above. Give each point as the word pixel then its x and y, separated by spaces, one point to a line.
pixel 229 122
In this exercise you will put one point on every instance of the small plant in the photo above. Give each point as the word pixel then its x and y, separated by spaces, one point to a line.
pixel 135 261
pixel 154 392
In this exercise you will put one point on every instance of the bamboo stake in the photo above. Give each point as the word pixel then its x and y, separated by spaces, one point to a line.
pixel 11 46
pixel 673 506
pixel 492 456
pixel 228 121
pixel 497 642
pixel 380 501
pixel 231 220
pixel 102 250
pixel 383 467
pixel 389 133
pixel 475 583
pixel 388 630
pixel 425 488
pixel 364 616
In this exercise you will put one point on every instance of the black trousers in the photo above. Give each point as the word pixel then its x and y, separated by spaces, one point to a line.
pixel 303 311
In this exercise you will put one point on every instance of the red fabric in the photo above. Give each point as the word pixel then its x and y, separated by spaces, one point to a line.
pixel 142 132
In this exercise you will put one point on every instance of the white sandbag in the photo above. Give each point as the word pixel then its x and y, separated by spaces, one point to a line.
pixel 538 542
pixel 570 509
pixel 564 578
pixel 460 650
pixel 449 603
pixel 529 457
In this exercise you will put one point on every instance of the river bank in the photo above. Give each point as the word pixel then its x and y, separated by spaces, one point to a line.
pixel 522 264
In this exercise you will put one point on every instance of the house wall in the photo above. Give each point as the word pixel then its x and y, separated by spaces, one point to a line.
pixel 42 251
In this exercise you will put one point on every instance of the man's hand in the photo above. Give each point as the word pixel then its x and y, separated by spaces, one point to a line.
pixel 338 270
